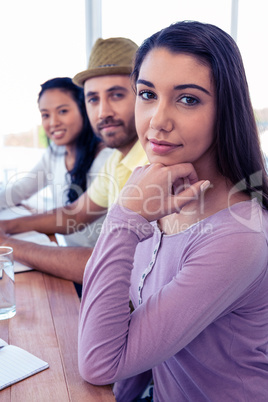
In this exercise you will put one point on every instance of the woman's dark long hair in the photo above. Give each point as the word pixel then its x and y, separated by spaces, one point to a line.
pixel 238 152
pixel 86 143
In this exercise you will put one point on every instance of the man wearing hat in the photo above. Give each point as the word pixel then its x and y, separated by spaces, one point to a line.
pixel 110 103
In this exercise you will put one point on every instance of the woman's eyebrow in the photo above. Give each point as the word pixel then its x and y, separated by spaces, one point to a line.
pixel 185 86
pixel 58 107
pixel 177 87
pixel 144 82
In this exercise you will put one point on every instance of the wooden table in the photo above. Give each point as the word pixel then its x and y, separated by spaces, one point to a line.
pixel 46 325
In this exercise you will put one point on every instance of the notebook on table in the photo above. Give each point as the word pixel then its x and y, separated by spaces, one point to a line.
pixel 16 364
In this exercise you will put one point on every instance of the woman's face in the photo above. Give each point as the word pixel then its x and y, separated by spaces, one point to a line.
pixel 175 108
pixel 61 117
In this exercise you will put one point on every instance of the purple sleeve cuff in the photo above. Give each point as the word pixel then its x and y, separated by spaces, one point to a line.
pixel 120 217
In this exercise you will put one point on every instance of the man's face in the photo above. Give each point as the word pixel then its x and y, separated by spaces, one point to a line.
pixel 110 103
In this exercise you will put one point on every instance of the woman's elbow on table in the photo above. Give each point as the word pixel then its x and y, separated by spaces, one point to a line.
pixel 94 372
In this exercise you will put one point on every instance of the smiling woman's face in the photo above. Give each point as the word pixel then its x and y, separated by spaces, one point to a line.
pixel 61 117
pixel 175 108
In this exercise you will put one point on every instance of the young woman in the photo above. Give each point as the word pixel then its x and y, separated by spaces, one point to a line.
pixel 74 150
pixel 75 154
pixel 187 240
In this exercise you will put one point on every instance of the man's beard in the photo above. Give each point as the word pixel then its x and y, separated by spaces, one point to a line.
pixel 130 134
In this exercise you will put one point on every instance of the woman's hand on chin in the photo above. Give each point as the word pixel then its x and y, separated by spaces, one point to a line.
pixel 156 190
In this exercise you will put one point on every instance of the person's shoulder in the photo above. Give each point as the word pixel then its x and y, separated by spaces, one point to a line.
pixel 113 159
pixel 105 152
pixel 242 217
pixel 241 226
pixel 51 156
pixel 135 157
pixel 100 160
pixel 55 151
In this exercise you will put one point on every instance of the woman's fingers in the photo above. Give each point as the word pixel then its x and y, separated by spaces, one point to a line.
pixel 156 190
pixel 189 193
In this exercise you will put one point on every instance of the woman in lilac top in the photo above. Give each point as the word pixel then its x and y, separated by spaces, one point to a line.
pixel 187 240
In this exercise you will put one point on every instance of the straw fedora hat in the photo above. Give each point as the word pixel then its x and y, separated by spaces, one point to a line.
pixel 108 57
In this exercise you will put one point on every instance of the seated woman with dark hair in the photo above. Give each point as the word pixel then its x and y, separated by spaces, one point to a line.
pixel 187 239
pixel 72 160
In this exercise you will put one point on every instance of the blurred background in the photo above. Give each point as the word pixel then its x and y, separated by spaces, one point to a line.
pixel 41 39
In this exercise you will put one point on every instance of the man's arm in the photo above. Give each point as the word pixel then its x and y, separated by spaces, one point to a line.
pixel 64 262
pixel 62 220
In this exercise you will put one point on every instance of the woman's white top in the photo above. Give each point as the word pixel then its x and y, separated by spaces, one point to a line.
pixel 51 176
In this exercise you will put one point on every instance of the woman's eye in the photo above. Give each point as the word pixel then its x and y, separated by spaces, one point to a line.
pixel 147 95
pixel 63 111
pixel 189 100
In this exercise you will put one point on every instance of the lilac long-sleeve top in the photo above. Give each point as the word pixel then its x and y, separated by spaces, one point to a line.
pixel 201 307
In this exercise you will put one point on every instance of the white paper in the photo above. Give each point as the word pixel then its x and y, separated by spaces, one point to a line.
pixel 17 364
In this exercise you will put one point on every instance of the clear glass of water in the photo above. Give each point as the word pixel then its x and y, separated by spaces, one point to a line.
pixel 7 284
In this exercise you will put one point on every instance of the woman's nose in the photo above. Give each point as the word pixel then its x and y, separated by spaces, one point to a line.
pixel 161 119
pixel 53 120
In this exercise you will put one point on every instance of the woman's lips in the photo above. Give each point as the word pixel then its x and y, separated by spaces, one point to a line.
pixel 162 147
pixel 57 135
